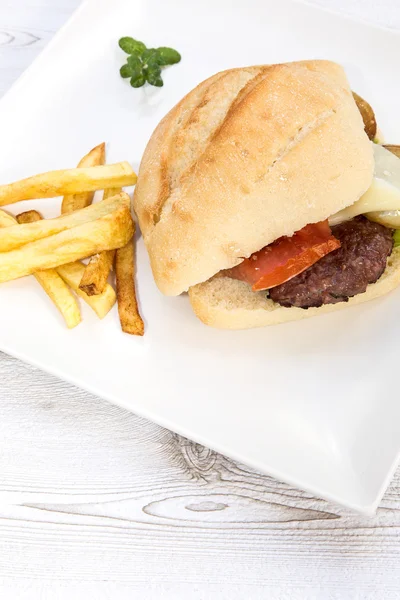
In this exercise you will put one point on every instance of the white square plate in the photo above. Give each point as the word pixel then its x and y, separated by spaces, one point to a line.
pixel 314 403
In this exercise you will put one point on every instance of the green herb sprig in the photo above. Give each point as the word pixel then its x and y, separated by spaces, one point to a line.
pixel 396 238
pixel 144 64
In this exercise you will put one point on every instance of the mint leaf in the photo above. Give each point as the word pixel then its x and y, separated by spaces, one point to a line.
pixel 167 56
pixel 134 62
pixel 149 55
pixel 126 71
pixel 131 46
pixel 154 78
pixel 144 64
pixel 138 80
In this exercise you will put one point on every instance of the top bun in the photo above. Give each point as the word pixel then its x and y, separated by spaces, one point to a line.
pixel 249 155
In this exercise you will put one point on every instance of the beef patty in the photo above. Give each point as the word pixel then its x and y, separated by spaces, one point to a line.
pixel 361 259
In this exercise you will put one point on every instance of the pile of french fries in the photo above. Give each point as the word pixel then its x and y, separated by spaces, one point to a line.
pixel 52 250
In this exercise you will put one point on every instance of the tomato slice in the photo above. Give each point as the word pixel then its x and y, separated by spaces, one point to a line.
pixel 286 257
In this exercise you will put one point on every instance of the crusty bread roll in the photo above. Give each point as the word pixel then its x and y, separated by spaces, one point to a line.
pixel 249 155
pixel 231 304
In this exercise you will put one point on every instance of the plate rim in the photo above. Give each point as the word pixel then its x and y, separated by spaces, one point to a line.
pixel 368 509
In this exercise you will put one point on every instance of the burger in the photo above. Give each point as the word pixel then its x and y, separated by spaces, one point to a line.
pixel 262 196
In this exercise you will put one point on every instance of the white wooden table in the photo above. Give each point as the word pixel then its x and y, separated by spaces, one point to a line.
pixel 98 503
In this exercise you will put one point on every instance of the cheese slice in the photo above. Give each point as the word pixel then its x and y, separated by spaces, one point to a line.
pixel 384 194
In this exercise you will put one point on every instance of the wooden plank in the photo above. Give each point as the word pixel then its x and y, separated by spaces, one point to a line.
pixel 91 492
pixel 26 26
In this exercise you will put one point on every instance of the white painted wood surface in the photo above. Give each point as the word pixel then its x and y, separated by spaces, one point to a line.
pixel 98 503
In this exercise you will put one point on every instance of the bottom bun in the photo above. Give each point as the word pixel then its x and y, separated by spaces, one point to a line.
pixel 231 304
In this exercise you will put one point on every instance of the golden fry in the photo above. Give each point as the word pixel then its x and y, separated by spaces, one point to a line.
pixel 110 192
pixel 131 321
pixel 102 303
pixel 72 202
pixel 100 265
pixel 94 278
pixel 6 220
pixel 30 216
pixel 52 284
pixel 367 114
pixel 111 231
pixel 17 236
pixel 58 292
pixel 68 181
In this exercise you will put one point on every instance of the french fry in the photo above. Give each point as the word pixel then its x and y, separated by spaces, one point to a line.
pixel 30 216
pixel 102 303
pixel 72 202
pixel 110 192
pixel 111 231
pixel 52 284
pixel 131 321
pixel 96 273
pixel 94 278
pixel 14 237
pixel 68 181
pixel 58 292
pixel 71 275
pixel 7 220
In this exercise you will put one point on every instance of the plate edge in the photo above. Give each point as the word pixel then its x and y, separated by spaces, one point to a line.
pixel 365 510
